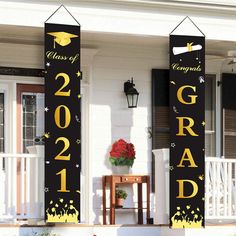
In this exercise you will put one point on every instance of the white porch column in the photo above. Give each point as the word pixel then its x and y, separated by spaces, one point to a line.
pixel 161 186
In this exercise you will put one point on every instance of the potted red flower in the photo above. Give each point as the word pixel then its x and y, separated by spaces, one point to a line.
pixel 122 153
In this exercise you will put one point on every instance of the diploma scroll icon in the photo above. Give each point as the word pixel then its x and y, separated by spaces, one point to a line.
pixel 188 48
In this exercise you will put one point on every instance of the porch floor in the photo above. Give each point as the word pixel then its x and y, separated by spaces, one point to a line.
pixel 228 229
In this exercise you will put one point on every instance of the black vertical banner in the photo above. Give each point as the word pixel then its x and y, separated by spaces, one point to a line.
pixel 62 123
pixel 187 121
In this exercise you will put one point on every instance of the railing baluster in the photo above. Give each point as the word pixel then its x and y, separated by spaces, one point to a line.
pixel 22 190
pixel 230 189
pixel 207 188
pixel 14 186
pixel 28 187
pixel 36 184
pixel 214 188
pixel 9 186
pixel 225 189
pixel 218 188
pixel 2 188
pixel 234 189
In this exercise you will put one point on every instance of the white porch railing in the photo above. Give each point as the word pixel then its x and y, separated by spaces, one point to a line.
pixel 21 186
pixel 220 187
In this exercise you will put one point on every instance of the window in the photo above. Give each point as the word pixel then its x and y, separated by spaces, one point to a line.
pixel 160 109
pixel 229 115
pixel 33 118
pixel 1 122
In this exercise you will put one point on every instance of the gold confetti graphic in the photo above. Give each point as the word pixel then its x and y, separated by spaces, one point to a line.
pixel 187 218
pixel 47 135
pixel 62 212
pixel 201 177
pixel 78 73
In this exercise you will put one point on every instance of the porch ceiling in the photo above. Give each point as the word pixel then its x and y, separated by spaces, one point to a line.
pixel 34 36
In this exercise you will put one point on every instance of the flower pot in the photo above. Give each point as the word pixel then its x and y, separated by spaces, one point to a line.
pixel 119 202
pixel 121 170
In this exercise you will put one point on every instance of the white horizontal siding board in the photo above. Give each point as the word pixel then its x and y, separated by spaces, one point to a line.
pixel 101 168
pixel 127 49
pixel 131 64
pixel 102 120
pixel 137 122
pixel 105 112
pixel 102 131
pixel 121 74
pixel 110 85
pixel 99 144
pixel 115 87
pixel 99 153
pixel 129 132
pixel 106 98
pixel 141 168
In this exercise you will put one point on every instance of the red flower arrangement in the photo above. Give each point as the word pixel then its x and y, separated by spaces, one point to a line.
pixel 122 153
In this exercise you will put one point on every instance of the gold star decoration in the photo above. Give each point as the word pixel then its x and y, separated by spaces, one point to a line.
pixel 171 168
pixel 78 141
pixel 203 123
pixel 78 73
pixel 201 177
pixel 172 145
pixel 47 135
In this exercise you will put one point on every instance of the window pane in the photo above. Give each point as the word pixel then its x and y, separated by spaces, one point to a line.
pixel 33 111
pixel 229 113
pixel 209 96
pixel 160 109
pixel 1 122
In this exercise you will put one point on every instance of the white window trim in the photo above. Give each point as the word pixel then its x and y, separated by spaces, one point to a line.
pixel 5 90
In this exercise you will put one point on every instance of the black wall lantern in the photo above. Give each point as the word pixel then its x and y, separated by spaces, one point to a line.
pixel 131 93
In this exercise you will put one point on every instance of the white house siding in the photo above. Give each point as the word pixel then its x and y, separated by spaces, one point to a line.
pixel 112 119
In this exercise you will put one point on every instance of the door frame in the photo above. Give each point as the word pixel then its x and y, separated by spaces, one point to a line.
pixel 20 88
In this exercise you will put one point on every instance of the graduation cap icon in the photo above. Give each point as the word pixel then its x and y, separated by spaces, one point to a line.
pixel 62 38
